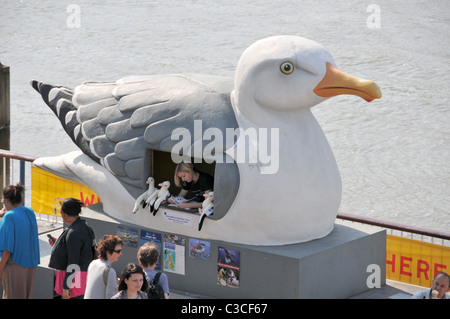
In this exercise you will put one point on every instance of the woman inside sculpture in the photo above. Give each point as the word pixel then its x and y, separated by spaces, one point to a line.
pixel 191 180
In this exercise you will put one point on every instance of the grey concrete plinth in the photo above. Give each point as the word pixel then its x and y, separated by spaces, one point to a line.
pixel 45 277
pixel 332 267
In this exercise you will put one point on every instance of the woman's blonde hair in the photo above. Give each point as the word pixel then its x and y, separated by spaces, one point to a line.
pixel 182 167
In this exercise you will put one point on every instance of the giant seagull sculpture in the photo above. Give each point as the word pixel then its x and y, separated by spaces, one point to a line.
pixel 278 79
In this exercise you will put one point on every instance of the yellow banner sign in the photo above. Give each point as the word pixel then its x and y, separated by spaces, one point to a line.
pixel 415 262
pixel 47 190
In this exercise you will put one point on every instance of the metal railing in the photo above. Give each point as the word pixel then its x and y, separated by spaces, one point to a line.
pixel 403 229
pixel 9 173
pixel 5 154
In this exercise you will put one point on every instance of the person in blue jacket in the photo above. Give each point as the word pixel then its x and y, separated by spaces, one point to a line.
pixel 19 245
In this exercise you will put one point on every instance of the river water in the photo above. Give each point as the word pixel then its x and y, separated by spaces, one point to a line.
pixel 393 153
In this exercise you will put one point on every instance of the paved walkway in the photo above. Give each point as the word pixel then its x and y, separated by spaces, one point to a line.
pixel 392 290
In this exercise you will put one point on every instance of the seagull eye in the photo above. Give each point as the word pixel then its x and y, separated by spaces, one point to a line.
pixel 287 67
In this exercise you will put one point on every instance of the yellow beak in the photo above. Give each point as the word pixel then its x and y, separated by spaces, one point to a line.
pixel 336 82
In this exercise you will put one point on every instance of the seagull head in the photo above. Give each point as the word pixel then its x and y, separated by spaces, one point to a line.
pixel 289 73
pixel 164 185
pixel 209 195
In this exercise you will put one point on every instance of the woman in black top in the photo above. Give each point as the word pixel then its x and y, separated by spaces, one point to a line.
pixel 191 180
pixel 72 252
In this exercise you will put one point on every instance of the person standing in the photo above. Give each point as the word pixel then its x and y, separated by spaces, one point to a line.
pixel 101 282
pixel 72 252
pixel 148 256
pixel 133 284
pixel 19 245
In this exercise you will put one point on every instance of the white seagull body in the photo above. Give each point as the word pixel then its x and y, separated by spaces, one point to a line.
pixel 142 198
pixel 207 208
pixel 277 81
pixel 153 196
pixel 208 203
pixel 163 194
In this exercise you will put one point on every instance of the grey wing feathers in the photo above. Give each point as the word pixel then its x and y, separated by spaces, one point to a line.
pixel 115 123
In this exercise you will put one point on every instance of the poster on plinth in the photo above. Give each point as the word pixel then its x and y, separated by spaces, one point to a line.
pixel 228 267
pixel 174 250
pixel 154 238
pixel 199 249
pixel 128 235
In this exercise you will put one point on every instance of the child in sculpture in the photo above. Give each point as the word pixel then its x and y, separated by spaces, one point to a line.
pixel 191 180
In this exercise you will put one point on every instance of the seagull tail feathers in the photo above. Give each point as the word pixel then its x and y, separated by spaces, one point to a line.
pixel 52 95
pixel 59 100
